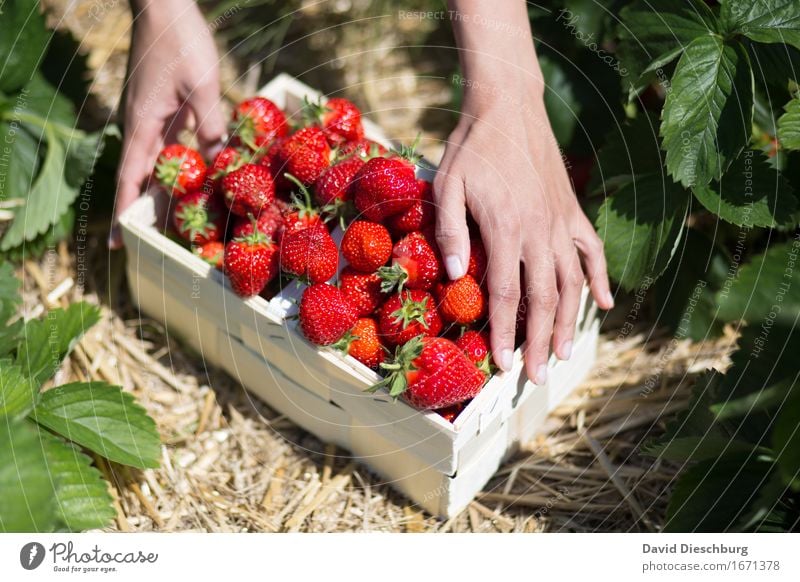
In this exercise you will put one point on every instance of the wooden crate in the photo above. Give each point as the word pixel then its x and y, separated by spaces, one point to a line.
pixel 438 464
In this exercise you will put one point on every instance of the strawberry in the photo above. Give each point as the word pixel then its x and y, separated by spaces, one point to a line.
pixel 257 121
pixel 431 372
pixel 385 186
pixel 250 263
pixel 211 252
pixel 325 314
pixel 450 413
pixel 475 345
pixel 362 289
pixel 366 245
pixel 248 190
pixel 180 169
pixel 305 155
pixel 477 261
pixel 310 253
pixel 340 119
pixel 416 264
pixel 408 314
pixel 270 222
pixel 419 215
pixel 276 166
pixel 199 217
pixel 334 185
pixel 363 344
pixel 301 213
pixel 461 301
pixel 227 160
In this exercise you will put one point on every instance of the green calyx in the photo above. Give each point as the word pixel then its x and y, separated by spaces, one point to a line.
pixel 393 276
pixel 167 173
pixel 396 370
pixel 305 206
pixel 312 112
pixel 411 312
pixel 256 237
pixel 196 220
pixel 410 152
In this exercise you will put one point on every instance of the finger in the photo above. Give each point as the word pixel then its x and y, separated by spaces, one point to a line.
pixel 452 233
pixel 569 278
pixel 594 263
pixel 502 250
pixel 540 285
pixel 180 121
pixel 210 123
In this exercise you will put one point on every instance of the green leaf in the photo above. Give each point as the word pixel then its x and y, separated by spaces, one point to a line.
pixel 26 500
pixel 10 299
pixel 23 161
pixel 714 495
pixel 789 125
pixel 46 342
pixel 104 419
pixel 766 514
pixel 641 225
pixel 81 494
pixel 760 399
pixel 767 288
pixel 22 42
pixel 708 113
pixel 17 392
pixel 786 439
pixel 563 109
pixel 697 448
pixel 751 193
pixel 768 21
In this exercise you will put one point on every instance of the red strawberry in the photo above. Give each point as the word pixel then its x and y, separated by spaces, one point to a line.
pixel 416 264
pixel 275 164
pixel 340 119
pixel 301 213
pixel 450 413
pixel 228 159
pixel 461 301
pixel 250 263
pixel 408 314
pixel 211 252
pixel 310 253
pixel 305 155
pixel 270 222
pixel 334 186
pixel 475 345
pixel 180 169
pixel 363 148
pixel 431 372
pixel 366 245
pixel 325 314
pixel 419 215
pixel 477 261
pixel 362 289
pixel 199 217
pixel 385 186
pixel 248 190
pixel 257 121
pixel 363 344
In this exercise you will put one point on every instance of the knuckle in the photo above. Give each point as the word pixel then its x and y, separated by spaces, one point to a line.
pixel 546 299
pixel 506 293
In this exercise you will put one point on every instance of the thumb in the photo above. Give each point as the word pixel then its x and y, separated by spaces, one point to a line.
pixel 452 233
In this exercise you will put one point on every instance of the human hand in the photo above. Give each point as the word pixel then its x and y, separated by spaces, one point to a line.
pixel 173 83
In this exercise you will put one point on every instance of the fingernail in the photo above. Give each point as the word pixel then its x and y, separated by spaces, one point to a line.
pixel 541 374
pixel 566 350
pixel 455 270
pixel 506 359
pixel 609 299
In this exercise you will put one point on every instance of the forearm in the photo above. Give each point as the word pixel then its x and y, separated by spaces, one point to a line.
pixel 165 10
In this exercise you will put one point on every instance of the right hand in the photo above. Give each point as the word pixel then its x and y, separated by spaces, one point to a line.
pixel 173 82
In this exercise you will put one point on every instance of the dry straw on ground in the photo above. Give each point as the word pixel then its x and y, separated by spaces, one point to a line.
pixel 231 464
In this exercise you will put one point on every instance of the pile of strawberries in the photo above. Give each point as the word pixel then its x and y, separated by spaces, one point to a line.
pixel 265 207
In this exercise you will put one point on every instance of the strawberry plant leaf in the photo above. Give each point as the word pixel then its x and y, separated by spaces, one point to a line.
pixel 17 392
pixel 789 125
pixel 697 448
pixel 23 161
pixel 708 113
pixel 641 225
pixel 751 193
pixel 45 343
pixel 786 439
pixel 10 299
pixel 26 500
pixel 563 108
pixel 80 493
pixel 766 514
pixel 22 43
pixel 102 418
pixel 768 21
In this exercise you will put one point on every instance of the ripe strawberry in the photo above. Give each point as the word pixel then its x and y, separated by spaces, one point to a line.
pixel 257 121
pixel 270 222
pixel 477 261
pixel 340 119
pixel 305 155
pixel 301 213
pixel 363 148
pixel 461 301
pixel 334 185
pixel 363 344
pixel 276 166
pixel 363 290
pixel 325 314
pixel 211 252
pixel 416 264
pixel 408 314
pixel 199 217
pixel 310 253
pixel 431 372
pixel 385 186
pixel 180 169
pixel 227 160
pixel 475 345
pixel 419 215
pixel 450 413
pixel 366 245
pixel 248 190
pixel 250 263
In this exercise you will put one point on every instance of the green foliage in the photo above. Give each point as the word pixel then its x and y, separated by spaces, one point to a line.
pixel 23 39
pixel 789 125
